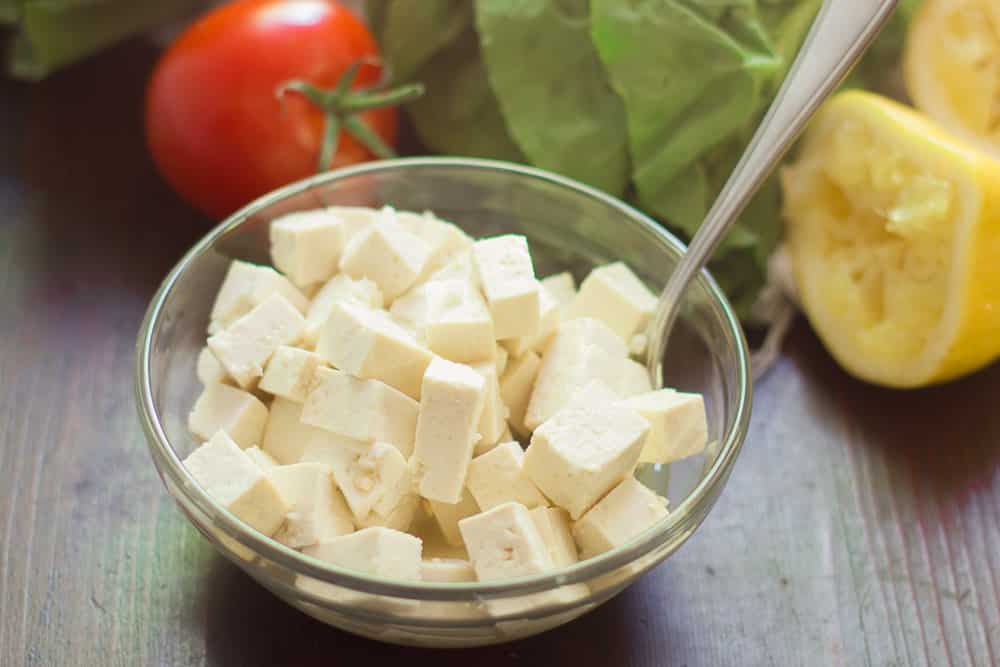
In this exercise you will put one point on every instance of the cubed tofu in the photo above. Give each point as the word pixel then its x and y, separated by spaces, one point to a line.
pixel 493 421
pixel 235 482
pixel 451 405
pixel 286 437
pixel 444 238
pixel 223 408
pixel 582 350
pixel 501 358
pixel 401 517
pixel 638 345
pixel 264 460
pixel 353 220
pixel 626 511
pixel 382 552
pixel 209 370
pixel 580 454
pixel 635 379
pixel 339 288
pixel 447 516
pixel 368 344
pixel 616 296
pixel 458 267
pixel 554 526
pixel 548 323
pixel 365 410
pixel 289 372
pixel 504 543
pixel 245 287
pixel 507 276
pixel 450 318
pixel 497 477
pixel 247 344
pixel 447 570
pixel 679 427
pixel 317 510
pixel 388 254
pixel 515 389
pixel 561 287
pixel 306 245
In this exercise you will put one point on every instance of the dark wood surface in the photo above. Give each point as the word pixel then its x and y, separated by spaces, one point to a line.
pixel 861 526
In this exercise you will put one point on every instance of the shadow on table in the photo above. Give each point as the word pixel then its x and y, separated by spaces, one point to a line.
pixel 247 626
pixel 948 435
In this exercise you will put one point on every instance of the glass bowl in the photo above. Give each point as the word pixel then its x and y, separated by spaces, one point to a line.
pixel 570 227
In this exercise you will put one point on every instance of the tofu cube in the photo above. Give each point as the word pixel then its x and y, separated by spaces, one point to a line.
pixel 497 477
pixel 548 323
pixel 557 532
pixel 234 481
pixel 638 345
pixel 450 318
pixel 447 570
pixel 451 405
pixel 626 511
pixel 635 379
pixel 444 238
pixel 223 408
pixel 679 427
pixel 401 517
pixel 458 267
pixel 493 421
pixel 317 510
pixel 616 296
pixel 368 344
pixel 339 288
pixel 289 372
pixel 209 370
pixel 286 438
pixel 382 552
pixel 507 277
pixel 447 516
pixel 561 287
pixel 247 286
pixel 504 543
pixel 388 254
pixel 515 389
pixel 263 460
pixel 247 344
pixel 501 357
pixel 583 350
pixel 306 245
pixel 365 410
pixel 580 454
pixel 353 220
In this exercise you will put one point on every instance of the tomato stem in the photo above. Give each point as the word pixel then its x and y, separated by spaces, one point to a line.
pixel 340 106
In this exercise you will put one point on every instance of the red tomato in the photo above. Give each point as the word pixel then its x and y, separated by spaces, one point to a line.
pixel 217 128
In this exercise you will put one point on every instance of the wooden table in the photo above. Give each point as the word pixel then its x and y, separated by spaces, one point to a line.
pixel 861 526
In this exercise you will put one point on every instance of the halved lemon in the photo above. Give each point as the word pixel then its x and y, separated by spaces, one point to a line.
pixel 951 66
pixel 893 231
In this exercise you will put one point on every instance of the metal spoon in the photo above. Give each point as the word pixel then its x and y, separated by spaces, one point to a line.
pixel 838 37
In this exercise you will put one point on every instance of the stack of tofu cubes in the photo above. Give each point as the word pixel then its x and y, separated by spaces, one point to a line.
pixel 365 392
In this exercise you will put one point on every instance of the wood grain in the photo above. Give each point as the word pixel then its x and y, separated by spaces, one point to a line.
pixel 861 526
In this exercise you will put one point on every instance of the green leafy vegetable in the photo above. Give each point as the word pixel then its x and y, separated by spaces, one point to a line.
pixel 411 38
pixel 564 115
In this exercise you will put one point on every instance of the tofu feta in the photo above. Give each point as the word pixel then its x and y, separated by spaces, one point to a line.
pixel 450 318
pixel 368 344
pixel 447 570
pixel 515 389
pixel 679 427
pixel 263 460
pixel 584 349
pixel 223 408
pixel 556 530
pixel 286 438
pixel 561 287
pixel 235 482
pixel 388 254
pixel 458 267
pixel 245 287
pixel 635 379
pixel 497 477
pixel 447 516
pixel 353 220
pixel 365 410
pixel 444 238
pixel 247 344
pixel 507 277
pixel 580 454
pixel 306 246
pixel 339 288
pixel 209 370
pixel 616 296
pixel 504 543
pixel 381 552
pixel 501 358
pixel 626 511
pixel 289 372
pixel 548 322
pixel 638 345
pixel 451 405
pixel 493 421
pixel 317 510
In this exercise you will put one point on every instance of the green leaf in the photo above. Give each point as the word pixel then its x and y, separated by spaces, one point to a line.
pixel 459 114
pixel 411 33
pixel 552 89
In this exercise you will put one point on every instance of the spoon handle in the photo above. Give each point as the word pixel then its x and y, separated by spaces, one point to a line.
pixel 838 37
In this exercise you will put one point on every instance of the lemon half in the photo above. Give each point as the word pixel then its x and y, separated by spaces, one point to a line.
pixel 894 235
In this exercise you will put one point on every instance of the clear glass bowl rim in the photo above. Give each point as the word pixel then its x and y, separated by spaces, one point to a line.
pixel 692 510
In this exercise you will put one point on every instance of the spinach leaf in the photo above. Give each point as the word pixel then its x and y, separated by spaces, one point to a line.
pixel 411 33
pixel 552 89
